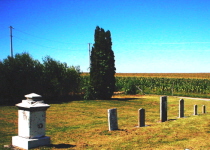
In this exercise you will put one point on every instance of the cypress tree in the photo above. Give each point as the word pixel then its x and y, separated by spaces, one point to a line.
pixel 102 69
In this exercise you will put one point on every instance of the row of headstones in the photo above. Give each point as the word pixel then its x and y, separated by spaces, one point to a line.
pixel 113 122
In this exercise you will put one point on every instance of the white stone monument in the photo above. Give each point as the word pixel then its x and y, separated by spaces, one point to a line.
pixel 31 123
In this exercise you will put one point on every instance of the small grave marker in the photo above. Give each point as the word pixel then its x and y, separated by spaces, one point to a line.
pixel 141 117
pixel 204 109
pixel 112 119
pixel 195 110
pixel 181 108
pixel 163 108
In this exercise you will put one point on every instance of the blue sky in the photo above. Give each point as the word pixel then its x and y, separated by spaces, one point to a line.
pixel 151 36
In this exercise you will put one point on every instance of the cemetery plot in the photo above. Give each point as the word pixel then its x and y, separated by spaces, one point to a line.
pixel 84 124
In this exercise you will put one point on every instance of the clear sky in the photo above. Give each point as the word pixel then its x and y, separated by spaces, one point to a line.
pixel 151 36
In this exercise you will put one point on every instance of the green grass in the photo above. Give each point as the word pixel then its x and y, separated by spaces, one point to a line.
pixel 84 125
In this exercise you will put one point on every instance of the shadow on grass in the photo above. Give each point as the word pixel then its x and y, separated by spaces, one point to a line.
pixel 172 119
pixel 61 146
pixel 62 99
pixel 48 100
pixel 123 99
pixel 59 99
pixel 67 100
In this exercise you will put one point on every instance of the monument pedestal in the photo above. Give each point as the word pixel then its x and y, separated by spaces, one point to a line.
pixel 31 123
pixel 30 143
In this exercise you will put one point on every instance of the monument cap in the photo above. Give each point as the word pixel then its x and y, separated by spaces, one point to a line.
pixel 33 96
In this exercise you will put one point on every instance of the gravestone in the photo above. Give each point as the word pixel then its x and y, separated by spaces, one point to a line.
pixel 141 117
pixel 31 123
pixel 195 110
pixel 181 108
pixel 163 108
pixel 112 119
pixel 204 109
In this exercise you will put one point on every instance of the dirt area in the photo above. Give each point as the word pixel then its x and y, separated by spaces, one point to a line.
pixel 120 95
pixel 204 99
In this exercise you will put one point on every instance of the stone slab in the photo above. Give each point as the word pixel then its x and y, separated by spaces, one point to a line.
pixel 141 118
pixel 30 143
pixel 163 108
pixel 195 110
pixel 181 108
pixel 203 109
pixel 112 119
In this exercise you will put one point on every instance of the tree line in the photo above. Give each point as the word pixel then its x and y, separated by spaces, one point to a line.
pixel 21 75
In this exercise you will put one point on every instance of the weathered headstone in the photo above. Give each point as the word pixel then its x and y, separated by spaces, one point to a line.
pixel 181 108
pixel 112 119
pixel 163 108
pixel 31 123
pixel 141 117
pixel 204 109
pixel 195 110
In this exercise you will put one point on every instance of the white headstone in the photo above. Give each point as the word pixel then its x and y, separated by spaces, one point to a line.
pixel 31 123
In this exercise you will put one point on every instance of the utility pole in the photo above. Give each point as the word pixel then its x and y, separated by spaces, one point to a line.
pixel 89 54
pixel 11 48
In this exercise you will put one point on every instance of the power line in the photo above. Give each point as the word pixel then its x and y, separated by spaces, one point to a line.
pixel 172 43
pixel 48 39
pixel 33 42
pixel 89 46
pixel 40 44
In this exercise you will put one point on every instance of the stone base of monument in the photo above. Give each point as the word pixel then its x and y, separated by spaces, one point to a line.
pixel 30 143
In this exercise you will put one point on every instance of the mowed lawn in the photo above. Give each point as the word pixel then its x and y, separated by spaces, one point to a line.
pixel 84 125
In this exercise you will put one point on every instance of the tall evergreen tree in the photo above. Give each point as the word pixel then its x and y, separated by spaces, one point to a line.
pixel 102 69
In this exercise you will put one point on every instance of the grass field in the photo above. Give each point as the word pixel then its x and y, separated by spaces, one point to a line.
pixel 83 125
pixel 164 75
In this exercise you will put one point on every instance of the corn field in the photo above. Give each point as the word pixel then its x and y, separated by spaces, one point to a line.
pixel 163 86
